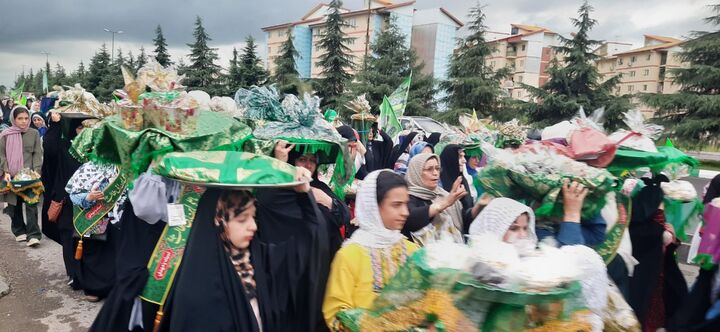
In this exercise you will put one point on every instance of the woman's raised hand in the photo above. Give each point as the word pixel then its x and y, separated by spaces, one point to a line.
pixel 573 197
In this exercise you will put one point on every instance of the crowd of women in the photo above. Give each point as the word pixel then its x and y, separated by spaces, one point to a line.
pixel 278 259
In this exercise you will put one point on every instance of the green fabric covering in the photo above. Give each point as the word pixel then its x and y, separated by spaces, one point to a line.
pixel 418 294
pixel 225 167
pixel 679 214
pixel 546 189
pixel 133 151
pixel 627 159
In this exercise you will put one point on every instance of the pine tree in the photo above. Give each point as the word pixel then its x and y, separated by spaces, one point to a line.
pixel 203 73
pixel 59 77
pixel 141 59
pixel 37 86
pixel 693 113
pixel 234 75
pixel 471 84
pixel 131 63
pixel 100 76
pixel 576 82
pixel 390 63
pixel 251 70
pixel 78 76
pixel 161 52
pixel 336 59
pixel 286 75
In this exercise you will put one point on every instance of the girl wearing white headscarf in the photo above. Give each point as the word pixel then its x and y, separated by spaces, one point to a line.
pixel 514 222
pixel 375 252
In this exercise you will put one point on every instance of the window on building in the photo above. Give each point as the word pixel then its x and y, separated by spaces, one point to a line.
pixel 632 59
pixel 644 87
pixel 630 88
pixel 352 22
pixel 620 61
pixel 632 73
pixel 269 49
pixel 646 72
pixel 351 41
pixel 520 78
pixel 519 93
pixel 523 47
pixel 649 56
pixel 521 63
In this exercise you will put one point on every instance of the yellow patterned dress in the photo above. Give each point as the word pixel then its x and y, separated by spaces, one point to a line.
pixel 358 274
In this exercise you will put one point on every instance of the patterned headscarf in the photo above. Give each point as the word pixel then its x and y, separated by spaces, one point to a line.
pixel 372 232
pixel 235 202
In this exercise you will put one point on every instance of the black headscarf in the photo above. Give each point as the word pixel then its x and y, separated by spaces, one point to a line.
pixel 347 132
pixel 381 151
pixel 207 294
pixel 450 163
pixel 646 235
pixel 398 150
pixel 713 190
pixel 433 139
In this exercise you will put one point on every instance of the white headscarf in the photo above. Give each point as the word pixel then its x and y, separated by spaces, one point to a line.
pixel 497 217
pixel 372 232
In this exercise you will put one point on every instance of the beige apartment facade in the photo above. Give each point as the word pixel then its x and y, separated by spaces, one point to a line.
pixel 642 70
pixel 528 51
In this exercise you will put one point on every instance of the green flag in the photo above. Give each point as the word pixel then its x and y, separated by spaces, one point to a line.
pixel 45 82
pixel 17 92
pixel 398 99
pixel 388 121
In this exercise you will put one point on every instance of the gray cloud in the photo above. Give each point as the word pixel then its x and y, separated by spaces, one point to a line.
pixel 72 30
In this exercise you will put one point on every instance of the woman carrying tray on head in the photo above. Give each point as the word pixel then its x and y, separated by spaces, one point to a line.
pixel 254 260
pixel 375 251
pixel 514 223
pixel 335 211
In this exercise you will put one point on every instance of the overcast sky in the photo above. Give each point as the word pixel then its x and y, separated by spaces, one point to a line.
pixel 72 30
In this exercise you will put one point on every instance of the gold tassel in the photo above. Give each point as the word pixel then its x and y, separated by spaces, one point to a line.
pixel 158 319
pixel 79 250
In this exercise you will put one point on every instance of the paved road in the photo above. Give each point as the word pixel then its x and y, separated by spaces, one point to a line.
pixel 713 156
pixel 39 299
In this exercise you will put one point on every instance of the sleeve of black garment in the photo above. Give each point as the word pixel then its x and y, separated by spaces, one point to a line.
pixel 713 190
pixel 419 216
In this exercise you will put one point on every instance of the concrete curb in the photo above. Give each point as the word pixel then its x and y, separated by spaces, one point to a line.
pixel 4 288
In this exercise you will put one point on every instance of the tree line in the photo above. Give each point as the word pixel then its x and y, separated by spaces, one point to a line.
pixel 574 81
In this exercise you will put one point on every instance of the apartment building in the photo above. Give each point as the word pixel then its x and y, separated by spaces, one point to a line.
pixel 431 32
pixel 528 51
pixel 642 70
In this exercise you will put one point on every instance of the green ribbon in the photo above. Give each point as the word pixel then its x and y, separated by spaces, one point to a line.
pixel 86 219
pixel 608 249
pixel 168 253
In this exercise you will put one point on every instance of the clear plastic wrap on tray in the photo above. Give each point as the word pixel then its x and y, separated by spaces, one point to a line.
pixel 537 175
pixel 641 135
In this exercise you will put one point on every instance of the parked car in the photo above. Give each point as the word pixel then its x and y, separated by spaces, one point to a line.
pixel 424 125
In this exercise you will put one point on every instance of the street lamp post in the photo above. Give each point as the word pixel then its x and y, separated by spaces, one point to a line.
pixel 112 51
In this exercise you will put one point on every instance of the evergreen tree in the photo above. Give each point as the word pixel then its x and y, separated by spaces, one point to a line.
pixel 471 84
pixel 80 75
pixel 161 52
pixel 141 59
pixel 59 77
pixel 336 59
pixel 100 80
pixel 37 83
pixel 182 68
pixel 49 73
pixel 234 75
pixel 389 64
pixel 251 70
pixel 203 73
pixel 131 63
pixel 286 75
pixel 576 82
pixel 693 113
